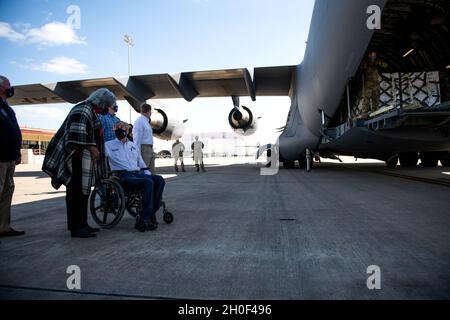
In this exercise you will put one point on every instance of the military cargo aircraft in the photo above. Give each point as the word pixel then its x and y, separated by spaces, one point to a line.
pixel 374 83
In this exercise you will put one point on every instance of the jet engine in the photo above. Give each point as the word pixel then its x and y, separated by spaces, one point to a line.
pixel 166 126
pixel 241 119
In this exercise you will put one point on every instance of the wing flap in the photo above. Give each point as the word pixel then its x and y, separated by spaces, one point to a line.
pixel 34 94
pixel 222 83
pixel 274 81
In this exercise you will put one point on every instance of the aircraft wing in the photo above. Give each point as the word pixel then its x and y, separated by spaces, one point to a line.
pixel 266 81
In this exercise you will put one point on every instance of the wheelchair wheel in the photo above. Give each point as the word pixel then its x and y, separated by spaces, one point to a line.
pixel 133 205
pixel 107 203
pixel 168 217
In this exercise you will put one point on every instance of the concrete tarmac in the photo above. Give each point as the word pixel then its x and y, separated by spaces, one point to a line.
pixel 239 235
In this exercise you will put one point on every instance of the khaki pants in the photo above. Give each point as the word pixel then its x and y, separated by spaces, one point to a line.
pixel 148 156
pixel 6 193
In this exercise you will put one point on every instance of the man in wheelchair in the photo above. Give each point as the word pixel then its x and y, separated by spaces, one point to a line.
pixel 125 159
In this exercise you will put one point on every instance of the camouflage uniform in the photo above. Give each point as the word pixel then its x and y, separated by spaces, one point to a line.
pixel 370 101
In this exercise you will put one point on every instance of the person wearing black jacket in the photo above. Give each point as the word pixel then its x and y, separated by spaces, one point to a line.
pixel 10 143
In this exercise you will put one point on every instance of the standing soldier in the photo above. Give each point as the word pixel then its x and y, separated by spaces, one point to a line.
pixel 197 147
pixel 371 87
pixel 177 151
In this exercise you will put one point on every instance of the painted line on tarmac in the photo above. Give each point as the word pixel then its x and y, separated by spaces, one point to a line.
pixel 89 293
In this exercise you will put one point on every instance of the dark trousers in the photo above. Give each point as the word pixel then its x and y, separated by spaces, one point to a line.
pixel 152 189
pixel 76 201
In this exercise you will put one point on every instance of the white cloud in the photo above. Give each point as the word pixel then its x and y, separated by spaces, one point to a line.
pixel 64 65
pixel 53 34
pixel 6 31
pixel 49 35
pixel 59 65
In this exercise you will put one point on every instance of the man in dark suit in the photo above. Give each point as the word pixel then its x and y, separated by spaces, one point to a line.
pixel 10 143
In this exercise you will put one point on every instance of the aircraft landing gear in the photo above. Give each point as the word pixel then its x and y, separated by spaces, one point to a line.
pixel 409 160
pixel 302 163
pixel 305 163
pixel 309 160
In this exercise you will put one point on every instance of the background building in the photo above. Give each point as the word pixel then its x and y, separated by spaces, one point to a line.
pixel 34 144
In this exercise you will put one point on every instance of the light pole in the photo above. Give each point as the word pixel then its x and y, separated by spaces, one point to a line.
pixel 129 41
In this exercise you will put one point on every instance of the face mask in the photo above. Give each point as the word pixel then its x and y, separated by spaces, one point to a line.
pixel 120 133
pixel 100 110
pixel 9 92
pixel 116 108
pixel 97 110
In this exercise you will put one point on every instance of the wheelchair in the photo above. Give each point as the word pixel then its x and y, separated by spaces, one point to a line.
pixel 108 201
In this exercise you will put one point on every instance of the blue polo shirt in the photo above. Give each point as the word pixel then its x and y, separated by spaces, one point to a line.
pixel 108 121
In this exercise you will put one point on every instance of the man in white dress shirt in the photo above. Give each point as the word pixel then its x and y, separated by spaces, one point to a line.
pixel 143 136
pixel 124 155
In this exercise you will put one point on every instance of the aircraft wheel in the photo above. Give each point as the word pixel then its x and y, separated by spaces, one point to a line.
pixel 409 160
pixel 392 162
pixel 429 160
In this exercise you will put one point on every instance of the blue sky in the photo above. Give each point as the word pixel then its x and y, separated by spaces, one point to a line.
pixel 170 36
